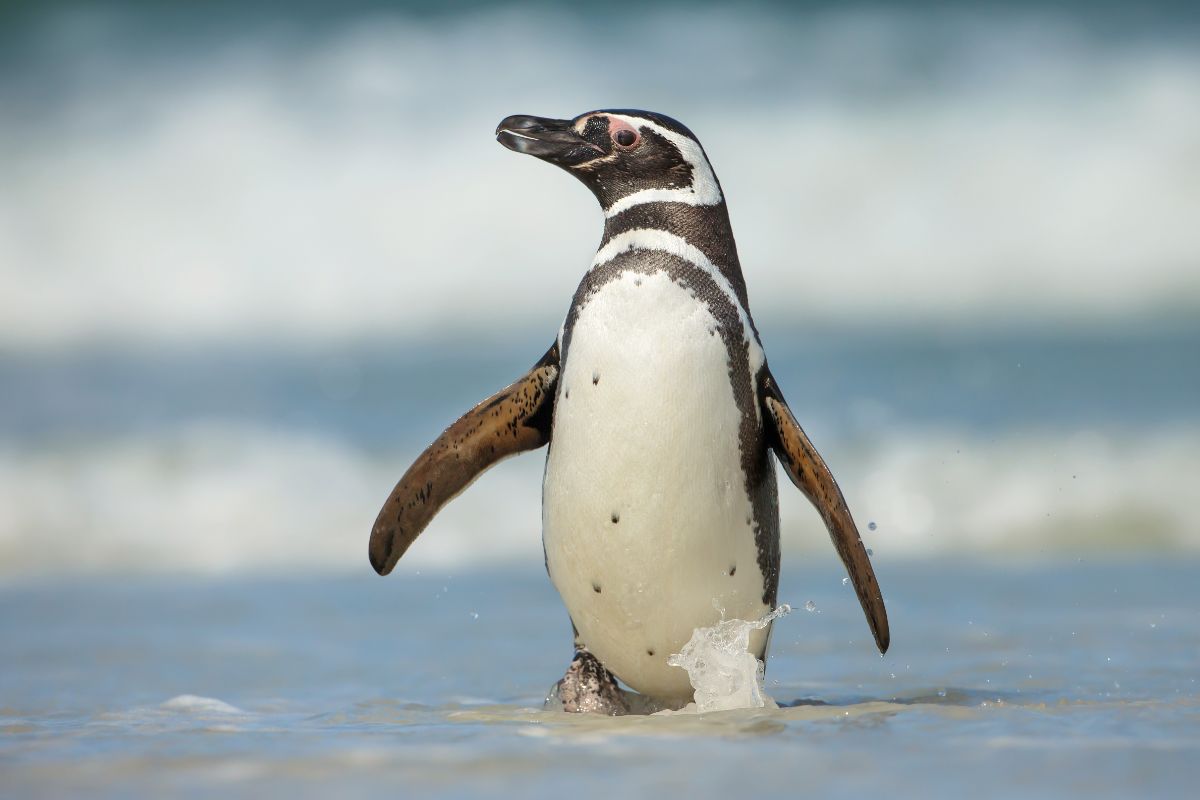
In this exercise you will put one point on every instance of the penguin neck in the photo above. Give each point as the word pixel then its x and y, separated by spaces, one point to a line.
pixel 706 228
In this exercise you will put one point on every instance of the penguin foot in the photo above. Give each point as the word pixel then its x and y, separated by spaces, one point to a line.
pixel 588 687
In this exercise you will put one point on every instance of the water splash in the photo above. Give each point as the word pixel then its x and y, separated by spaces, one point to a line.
pixel 724 674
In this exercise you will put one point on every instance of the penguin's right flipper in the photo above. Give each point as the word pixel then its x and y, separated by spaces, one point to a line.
pixel 511 421
pixel 808 471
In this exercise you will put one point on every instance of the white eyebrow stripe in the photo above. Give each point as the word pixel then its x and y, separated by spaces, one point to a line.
pixel 704 191
pixel 662 241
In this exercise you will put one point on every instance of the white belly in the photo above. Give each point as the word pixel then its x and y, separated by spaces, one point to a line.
pixel 646 522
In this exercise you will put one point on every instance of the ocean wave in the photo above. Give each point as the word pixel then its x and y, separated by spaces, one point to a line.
pixel 977 164
pixel 219 498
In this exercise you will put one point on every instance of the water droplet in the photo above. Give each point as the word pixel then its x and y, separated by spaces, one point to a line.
pixel 845 581
pixel 941 692
pixel 474 615
pixel 870 552
pixel 871 525
pixel 810 606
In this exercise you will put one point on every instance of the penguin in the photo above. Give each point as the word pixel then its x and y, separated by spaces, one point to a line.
pixel 660 506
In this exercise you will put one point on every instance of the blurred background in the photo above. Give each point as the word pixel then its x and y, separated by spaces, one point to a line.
pixel 254 256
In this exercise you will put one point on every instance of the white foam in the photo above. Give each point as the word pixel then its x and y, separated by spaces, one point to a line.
pixel 1030 493
pixel 213 498
pixel 195 704
pixel 1033 170
pixel 724 674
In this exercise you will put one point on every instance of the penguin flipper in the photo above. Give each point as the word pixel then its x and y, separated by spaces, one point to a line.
pixel 515 419
pixel 808 471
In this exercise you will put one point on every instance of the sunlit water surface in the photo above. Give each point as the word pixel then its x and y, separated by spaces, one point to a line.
pixel 1072 678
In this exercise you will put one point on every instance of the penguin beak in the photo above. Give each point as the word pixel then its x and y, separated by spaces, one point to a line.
pixel 553 140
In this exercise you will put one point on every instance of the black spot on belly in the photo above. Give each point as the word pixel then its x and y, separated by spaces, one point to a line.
pixel 566 394
pixel 757 466
pixel 732 570
pixel 650 651
pixel 616 517
pixel 596 588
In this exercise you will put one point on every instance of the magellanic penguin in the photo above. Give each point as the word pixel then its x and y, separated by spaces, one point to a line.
pixel 660 510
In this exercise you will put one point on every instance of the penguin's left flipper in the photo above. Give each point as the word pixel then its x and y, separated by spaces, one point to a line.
pixel 808 471
pixel 515 419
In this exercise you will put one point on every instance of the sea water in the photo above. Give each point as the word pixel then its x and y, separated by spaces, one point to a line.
pixel 1074 677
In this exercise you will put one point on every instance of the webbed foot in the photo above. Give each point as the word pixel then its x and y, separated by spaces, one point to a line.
pixel 588 687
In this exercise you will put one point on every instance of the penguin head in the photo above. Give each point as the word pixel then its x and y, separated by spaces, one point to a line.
pixel 625 157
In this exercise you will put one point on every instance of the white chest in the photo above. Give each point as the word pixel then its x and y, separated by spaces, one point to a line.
pixel 646 521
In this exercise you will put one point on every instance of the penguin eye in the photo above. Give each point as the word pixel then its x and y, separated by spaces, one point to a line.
pixel 625 137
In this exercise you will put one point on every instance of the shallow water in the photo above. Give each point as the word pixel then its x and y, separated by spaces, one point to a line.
pixel 1073 678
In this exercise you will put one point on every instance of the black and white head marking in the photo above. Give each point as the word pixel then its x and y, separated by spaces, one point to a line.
pixel 626 157
pixel 663 162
